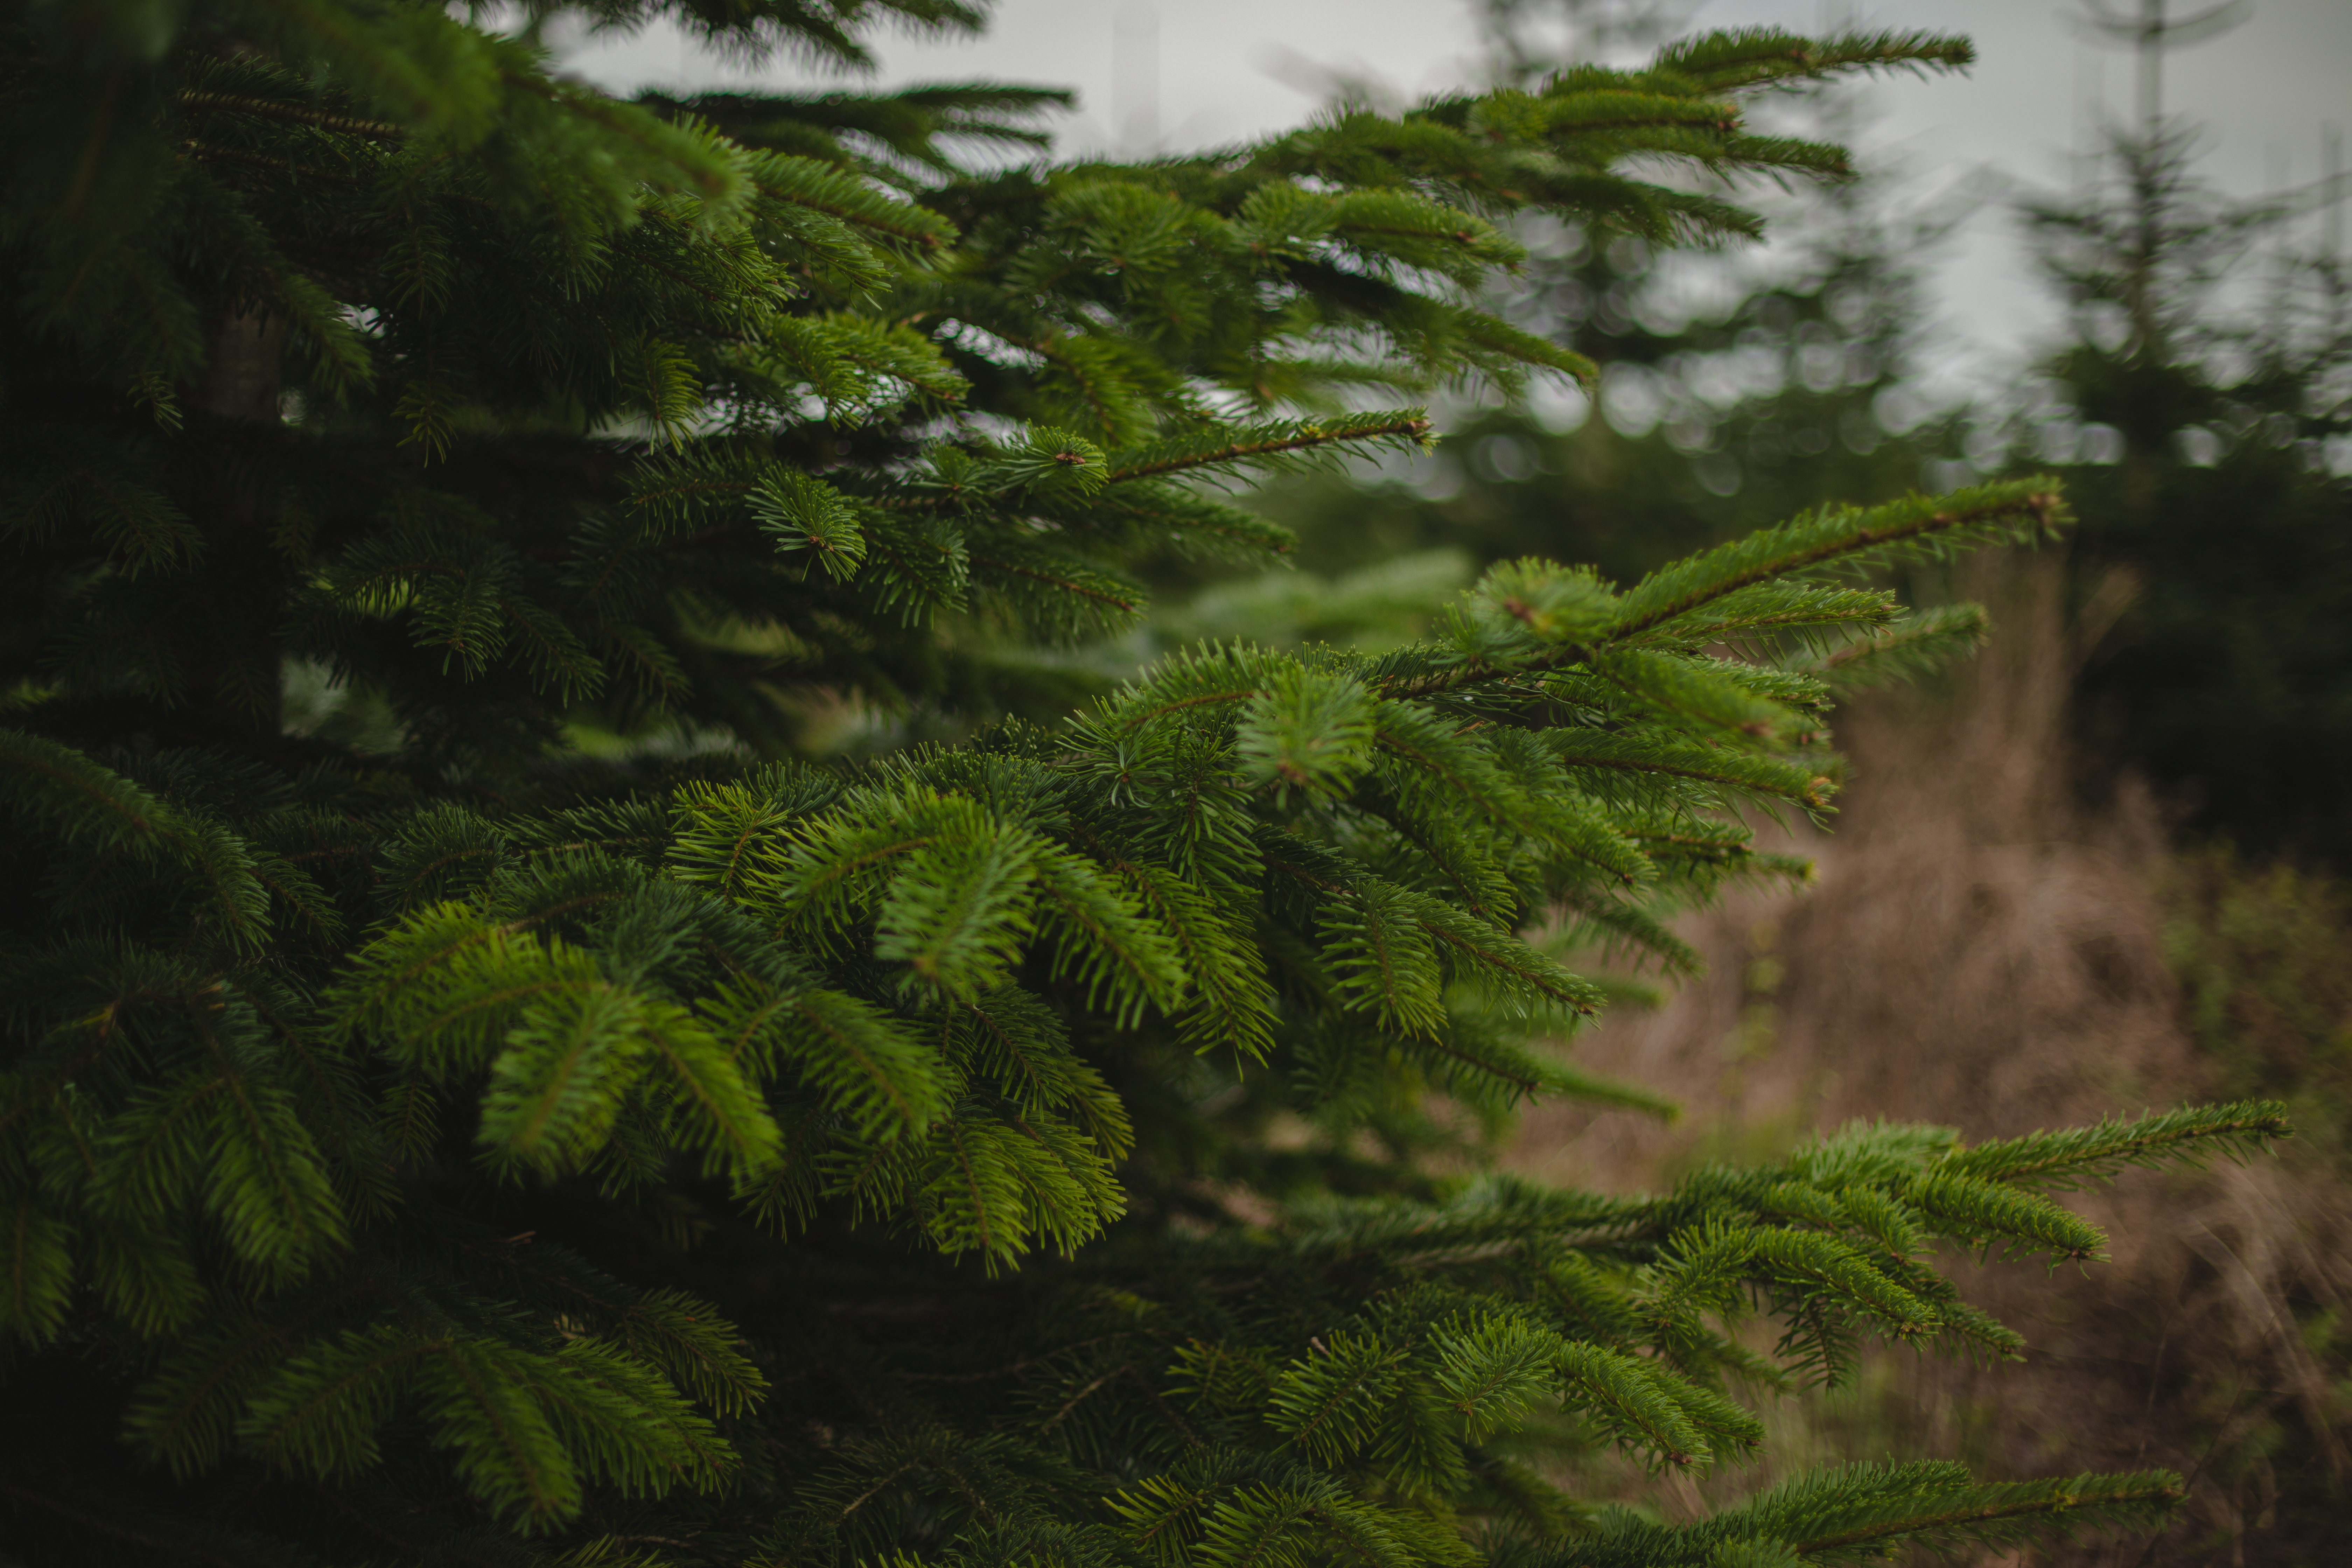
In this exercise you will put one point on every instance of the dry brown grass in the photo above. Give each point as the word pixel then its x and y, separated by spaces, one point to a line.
pixel 1982 952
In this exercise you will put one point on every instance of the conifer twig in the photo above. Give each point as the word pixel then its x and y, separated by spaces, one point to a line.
pixel 293 114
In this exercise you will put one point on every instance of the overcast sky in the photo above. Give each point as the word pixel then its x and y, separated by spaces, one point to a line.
pixel 1228 69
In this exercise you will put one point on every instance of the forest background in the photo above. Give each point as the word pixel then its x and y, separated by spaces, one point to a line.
pixel 2055 891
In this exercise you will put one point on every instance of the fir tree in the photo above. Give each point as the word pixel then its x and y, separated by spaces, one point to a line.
pixel 2205 403
pixel 510 1105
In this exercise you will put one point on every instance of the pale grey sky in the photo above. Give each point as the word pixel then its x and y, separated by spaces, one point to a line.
pixel 1233 68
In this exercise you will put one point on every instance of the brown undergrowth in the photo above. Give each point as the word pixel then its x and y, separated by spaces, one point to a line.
pixel 1982 950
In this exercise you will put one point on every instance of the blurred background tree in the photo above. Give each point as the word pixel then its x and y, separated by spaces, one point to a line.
pixel 2217 539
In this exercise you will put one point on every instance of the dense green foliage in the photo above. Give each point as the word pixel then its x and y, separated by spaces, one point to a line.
pixel 507 1104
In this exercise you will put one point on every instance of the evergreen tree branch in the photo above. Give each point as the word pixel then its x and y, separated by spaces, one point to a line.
pixel 292 114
